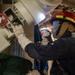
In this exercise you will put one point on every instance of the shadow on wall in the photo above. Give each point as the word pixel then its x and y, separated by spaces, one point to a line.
pixel 3 7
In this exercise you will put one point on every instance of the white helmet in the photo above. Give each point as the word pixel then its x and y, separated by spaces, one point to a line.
pixel 51 2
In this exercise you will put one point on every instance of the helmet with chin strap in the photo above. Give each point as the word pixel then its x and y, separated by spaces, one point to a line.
pixel 63 21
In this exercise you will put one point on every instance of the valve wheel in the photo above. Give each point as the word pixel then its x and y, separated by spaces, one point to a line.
pixel 3 20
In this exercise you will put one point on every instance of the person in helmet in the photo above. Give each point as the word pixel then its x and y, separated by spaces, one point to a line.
pixel 62 49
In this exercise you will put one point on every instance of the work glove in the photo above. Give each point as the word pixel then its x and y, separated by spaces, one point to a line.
pixel 19 33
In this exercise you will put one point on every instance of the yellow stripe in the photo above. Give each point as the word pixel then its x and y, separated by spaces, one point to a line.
pixel 70 19
pixel 59 16
pixel 67 18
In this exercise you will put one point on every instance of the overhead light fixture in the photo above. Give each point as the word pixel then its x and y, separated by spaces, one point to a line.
pixel 41 16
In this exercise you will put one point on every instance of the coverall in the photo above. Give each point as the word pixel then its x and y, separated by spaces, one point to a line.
pixel 62 50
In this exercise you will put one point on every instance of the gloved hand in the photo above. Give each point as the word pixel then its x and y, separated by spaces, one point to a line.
pixel 19 33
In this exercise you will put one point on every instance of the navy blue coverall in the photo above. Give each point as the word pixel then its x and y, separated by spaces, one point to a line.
pixel 63 50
